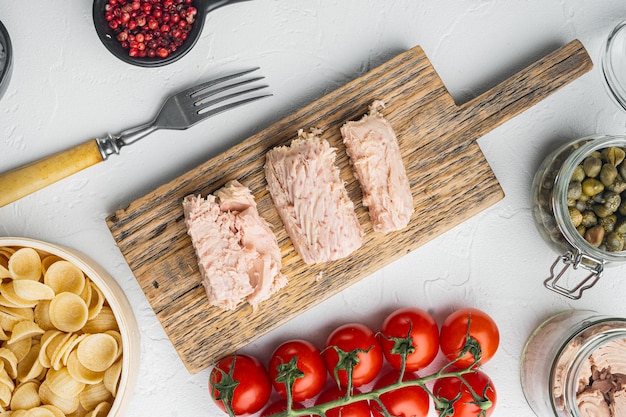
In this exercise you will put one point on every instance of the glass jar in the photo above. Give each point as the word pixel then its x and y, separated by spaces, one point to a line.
pixel 614 64
pixel 556 363
pixel 551 212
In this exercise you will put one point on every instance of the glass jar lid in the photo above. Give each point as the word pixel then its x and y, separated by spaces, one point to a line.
pixel 6 59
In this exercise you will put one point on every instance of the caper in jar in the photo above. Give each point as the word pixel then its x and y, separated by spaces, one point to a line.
pixel 594 198
pixel 613 155
pixel 608 223
pixel 574 190
pixel 608 174
pixel 618 186
pixel 595 235
pixel 589 218
pixel 576 216
pixel 592 186
pixel 579 174
pixel 592 166
pixel 614 242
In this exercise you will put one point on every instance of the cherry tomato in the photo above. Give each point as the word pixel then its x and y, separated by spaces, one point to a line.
pixel 254 387
pixel 309 361
pixel 460 401
pixel 482 329
pixel 350 337
pixel 410 401
pixel 356 409
pixel 278 407
pixel 424 335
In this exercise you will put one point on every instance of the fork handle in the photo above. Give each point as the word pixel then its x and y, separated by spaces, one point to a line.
pixel 29 178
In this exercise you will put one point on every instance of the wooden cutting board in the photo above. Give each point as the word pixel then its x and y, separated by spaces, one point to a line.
pixel 450 179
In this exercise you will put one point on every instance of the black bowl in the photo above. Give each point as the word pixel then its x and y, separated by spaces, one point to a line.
pixel 6 68
pixel 107 35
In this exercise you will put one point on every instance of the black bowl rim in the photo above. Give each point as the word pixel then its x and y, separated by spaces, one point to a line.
pixel 5 72
pixel 106 36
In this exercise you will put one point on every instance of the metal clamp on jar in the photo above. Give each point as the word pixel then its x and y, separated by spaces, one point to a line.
pixel 579 206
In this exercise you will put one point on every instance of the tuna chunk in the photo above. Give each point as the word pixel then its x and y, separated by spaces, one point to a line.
pixel 238 255
pixel 311 199
pixel 591 404
pixel 375 155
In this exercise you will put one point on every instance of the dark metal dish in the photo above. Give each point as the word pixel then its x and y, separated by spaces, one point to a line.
pixel 107 35
pixel 6 59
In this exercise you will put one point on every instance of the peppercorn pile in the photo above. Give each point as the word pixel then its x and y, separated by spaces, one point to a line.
pixel 150 28
pixel 595 198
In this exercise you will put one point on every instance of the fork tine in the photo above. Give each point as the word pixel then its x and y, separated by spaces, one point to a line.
pixel 190 92
pixel 213 112
pixel 201 95
pixel 202 105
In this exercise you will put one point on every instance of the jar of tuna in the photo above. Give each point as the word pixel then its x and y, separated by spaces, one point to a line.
pixel 579 207
pixel 573 365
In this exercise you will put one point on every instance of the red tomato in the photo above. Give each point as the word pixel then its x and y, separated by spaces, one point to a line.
pixel 351 337
pixel 309 362
pixel 254 387
pixel 280 406
pixel 357 409
pixel 424 335
pixel 463 403
pixel 482 329
pixel 410 401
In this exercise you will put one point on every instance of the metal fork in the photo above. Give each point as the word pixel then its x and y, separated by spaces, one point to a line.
pixel 180 111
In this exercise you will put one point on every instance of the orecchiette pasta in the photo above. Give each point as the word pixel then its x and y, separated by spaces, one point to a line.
pixel 60 346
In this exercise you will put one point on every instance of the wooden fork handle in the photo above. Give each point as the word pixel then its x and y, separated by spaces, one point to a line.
pixel 29 178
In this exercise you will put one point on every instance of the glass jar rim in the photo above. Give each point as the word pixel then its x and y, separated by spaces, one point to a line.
pixel 616 89
pixel 559 197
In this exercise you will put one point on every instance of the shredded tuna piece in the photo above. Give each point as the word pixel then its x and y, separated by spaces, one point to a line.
pixel 311 199
pixel 374 152
pixel 238 254
pixel 591 404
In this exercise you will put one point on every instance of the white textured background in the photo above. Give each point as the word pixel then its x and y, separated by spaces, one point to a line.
pixel 66 88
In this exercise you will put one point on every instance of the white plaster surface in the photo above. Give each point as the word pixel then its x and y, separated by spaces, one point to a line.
pixel 66 88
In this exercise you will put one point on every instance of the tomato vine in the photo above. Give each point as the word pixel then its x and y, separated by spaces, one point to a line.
pixel 455 388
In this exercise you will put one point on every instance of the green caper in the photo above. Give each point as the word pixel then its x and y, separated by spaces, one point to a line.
pixel 583 198
pixel 601 210
pixel 608 222
pixel 621 168
pixel 574 190
pixel 614 242
pixel 581 206
pixel 592 165
pixel 618 186
pixel 598 199
pixel 576 216
pixel 579 174
pixel 592 186
pixel 612 201
pixel 589 218
pixel 581 230
pixel 620 227
pixel 595 235
pixel 613 155
pixel 608 173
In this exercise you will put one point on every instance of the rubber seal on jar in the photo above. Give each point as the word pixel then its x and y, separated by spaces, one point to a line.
pixel 576 260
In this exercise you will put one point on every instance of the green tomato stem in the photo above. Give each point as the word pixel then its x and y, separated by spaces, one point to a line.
pixel 374 395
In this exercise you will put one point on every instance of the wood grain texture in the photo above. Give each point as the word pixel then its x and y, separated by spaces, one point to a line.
pixel 32 177
pixel 450 179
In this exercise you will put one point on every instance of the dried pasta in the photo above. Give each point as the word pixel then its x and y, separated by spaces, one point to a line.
pixel 60 346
